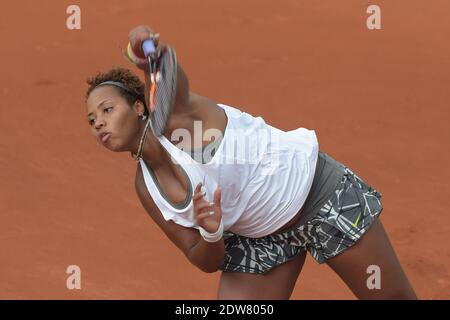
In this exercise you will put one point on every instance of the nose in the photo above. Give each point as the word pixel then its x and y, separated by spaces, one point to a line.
pixel 98 124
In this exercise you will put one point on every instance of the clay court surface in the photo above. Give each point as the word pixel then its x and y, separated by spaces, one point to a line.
pixel 378 101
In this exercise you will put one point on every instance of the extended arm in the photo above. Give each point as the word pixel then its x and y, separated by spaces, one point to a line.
pixel 205 255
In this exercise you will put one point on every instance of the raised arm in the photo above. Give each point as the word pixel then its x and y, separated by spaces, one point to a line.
pixel 136 37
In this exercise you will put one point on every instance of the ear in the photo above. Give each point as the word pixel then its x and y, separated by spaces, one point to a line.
pixel 139 107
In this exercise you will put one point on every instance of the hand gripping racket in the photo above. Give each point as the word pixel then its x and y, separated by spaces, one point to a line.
pixel 163 78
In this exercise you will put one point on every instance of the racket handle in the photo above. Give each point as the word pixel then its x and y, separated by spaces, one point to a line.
pixel 148 47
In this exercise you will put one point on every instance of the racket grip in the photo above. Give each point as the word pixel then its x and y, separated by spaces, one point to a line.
pixel 148 47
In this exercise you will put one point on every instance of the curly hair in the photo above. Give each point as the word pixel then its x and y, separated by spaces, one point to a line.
pixel 125 76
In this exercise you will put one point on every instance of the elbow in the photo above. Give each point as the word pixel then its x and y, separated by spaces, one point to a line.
pixel 208 260
pixel 209 269
pixel 209 266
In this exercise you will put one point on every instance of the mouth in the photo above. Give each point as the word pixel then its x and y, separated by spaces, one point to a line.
pixel 105 136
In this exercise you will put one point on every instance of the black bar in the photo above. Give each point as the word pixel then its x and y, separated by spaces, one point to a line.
pixel 230 309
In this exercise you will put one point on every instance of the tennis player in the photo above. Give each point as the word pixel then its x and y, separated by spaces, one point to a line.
pixel 237 195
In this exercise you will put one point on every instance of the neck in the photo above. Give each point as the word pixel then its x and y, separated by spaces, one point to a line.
pixel 151 150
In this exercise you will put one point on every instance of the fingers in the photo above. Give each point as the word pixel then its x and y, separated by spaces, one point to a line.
pixel 209 206
pixel 160 49
pixel 141 32
pixel 202 207
pixel 217 196
pixel 204 215
pixel 138 35
pixel 198 192
pixel 199 195
pixel 197 187
pixel 155 39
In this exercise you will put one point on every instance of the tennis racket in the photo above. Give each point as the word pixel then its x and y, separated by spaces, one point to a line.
pixel 163 83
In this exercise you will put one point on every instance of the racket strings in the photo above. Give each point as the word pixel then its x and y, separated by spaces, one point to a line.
pixel 153 87
pixel 162 91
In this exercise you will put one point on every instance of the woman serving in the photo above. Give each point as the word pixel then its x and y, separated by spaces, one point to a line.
pixel 238 195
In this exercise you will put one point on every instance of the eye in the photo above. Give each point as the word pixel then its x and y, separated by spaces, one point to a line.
pixel 109 108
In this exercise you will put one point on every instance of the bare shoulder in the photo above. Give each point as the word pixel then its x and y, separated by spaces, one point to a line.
pixel 184 238
pixel 209 112
pixel 201 109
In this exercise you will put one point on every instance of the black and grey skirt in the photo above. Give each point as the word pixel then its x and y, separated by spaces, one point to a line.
pixel 338 211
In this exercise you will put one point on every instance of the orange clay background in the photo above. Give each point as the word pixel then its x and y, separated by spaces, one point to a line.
pixel 378 101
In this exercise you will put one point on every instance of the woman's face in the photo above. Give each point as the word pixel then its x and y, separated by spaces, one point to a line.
pixel 113 122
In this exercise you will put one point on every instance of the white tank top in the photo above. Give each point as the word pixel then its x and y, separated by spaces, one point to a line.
pixel 265 175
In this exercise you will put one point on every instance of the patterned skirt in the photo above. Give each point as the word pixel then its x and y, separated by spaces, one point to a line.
pixel 335 222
